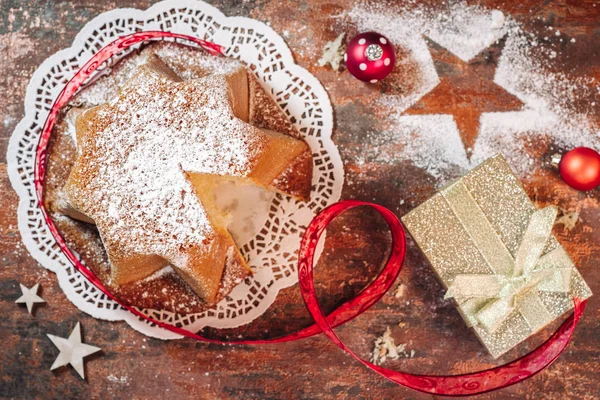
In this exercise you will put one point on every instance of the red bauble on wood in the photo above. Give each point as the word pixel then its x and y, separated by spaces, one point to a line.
pixel 580 168
pixel 370 57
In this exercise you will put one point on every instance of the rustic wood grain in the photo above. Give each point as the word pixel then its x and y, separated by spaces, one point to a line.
pixel 133 366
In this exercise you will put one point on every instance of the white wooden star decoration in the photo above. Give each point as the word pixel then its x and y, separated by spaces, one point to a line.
pixel 29 296
pixel 72 351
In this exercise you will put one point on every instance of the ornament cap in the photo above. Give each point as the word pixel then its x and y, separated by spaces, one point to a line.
pixel 555 160
pixel 374 52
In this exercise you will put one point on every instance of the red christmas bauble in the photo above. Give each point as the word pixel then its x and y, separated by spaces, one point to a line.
pixel 370 57
pixel 580 168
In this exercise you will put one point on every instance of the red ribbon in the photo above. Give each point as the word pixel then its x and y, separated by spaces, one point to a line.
pixel 455 385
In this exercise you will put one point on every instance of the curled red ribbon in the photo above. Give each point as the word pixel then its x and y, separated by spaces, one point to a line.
pixel 451 385
pixel 456 385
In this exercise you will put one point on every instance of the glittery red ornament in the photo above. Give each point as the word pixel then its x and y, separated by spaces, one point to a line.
pixel 370 57
pixel 580 168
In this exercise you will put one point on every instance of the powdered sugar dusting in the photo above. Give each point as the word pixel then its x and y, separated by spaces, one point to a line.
pixel 191 64
pixel 183 60
pixel 465 31
pixel 134 185
pixel 106 86
pixel 70 123
pixel 432 142
pixel 159 274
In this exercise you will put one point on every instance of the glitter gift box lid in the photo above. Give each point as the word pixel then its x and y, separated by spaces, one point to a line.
pixel 493 192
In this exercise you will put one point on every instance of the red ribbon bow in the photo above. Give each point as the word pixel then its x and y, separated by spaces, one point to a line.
pixel 455 385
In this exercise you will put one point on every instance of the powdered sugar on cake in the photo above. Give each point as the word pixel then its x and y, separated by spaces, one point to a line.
pixel 185 62
pixel 137 191
pixel 432 142
pixel 159 274
pixel 191 64
pixel 107 85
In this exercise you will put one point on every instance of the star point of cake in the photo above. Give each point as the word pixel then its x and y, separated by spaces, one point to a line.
pixel 147 163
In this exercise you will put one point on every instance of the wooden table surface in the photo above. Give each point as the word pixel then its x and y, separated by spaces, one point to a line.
pixel 133 366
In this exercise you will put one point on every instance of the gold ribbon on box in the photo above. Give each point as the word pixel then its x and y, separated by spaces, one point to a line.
pixel 515 281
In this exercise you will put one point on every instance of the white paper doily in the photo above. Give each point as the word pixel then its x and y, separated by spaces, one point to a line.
pixel 272 252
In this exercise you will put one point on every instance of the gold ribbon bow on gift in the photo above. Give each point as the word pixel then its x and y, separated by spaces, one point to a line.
pixel 488 300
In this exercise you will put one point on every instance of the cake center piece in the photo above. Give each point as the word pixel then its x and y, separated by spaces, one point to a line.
pixel 147 164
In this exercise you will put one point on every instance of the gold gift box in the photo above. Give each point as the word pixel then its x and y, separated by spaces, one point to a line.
pixel 495 253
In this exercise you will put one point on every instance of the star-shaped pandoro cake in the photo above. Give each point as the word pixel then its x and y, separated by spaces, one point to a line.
pixel 147 163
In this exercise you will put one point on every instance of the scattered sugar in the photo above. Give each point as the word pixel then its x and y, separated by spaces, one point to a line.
pixel 432 142
pixel 107 83
pixel 158 274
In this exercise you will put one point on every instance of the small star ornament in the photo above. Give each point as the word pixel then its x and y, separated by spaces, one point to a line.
pixel 29 296
pixel 72 351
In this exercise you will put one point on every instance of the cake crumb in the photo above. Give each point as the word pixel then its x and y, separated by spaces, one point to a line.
pixel 568 219
pixel 385 348
pixel 400 291
pixel 116 379
pixel 333 53
pixel 497 19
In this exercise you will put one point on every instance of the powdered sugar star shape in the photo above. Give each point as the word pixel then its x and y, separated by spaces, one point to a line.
pixel 433 142
pixel 465 90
